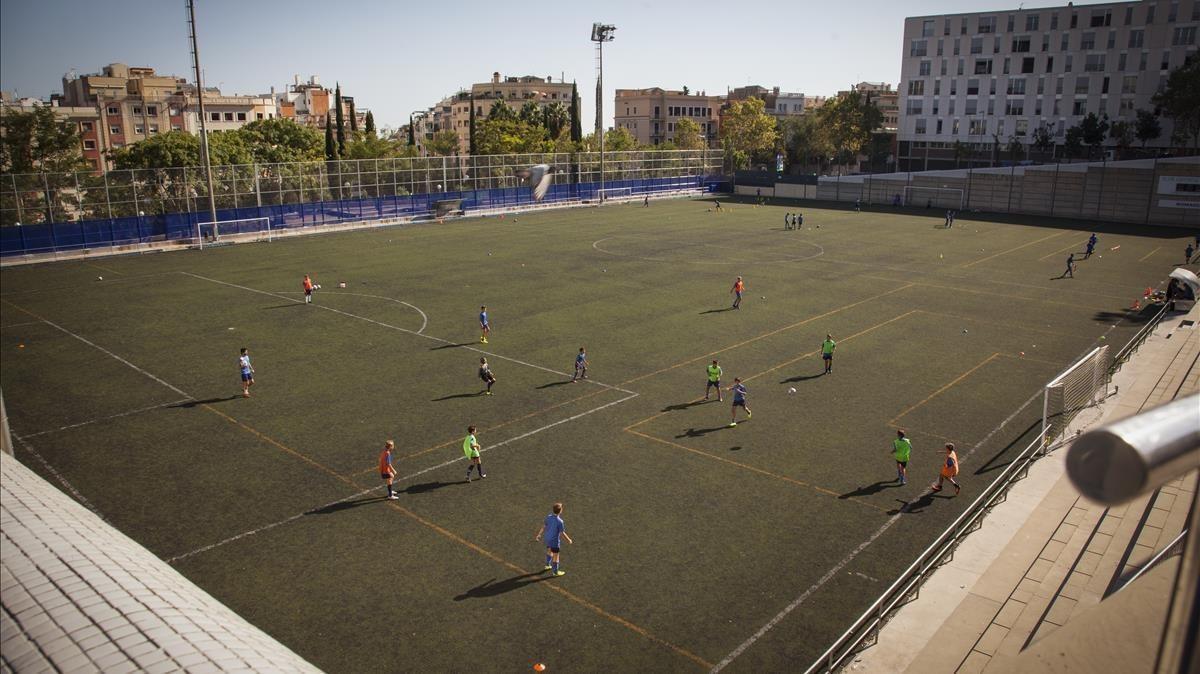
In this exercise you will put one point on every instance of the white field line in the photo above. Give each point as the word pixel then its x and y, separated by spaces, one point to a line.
pixel 596 246
pixel 424 318
pixel 404 330
pixel 58 476
pixel 75 287
pixel 293 518
pixel 107 418
pixel 848 558
pixel 20 325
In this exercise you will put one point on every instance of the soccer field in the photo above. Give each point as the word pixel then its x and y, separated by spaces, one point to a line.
pixel 697 545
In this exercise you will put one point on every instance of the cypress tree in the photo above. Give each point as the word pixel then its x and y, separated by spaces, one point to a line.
pixel 353 118
pixel 412 132
pixel 370 123
pixel 576 125
pixel 341 121
pixel 330 148
pixel 471 142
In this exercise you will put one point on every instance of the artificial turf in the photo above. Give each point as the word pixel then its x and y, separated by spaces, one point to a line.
pixel 690 535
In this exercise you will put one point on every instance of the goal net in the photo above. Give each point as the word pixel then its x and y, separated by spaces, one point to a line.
pixel 1080 386
pixel 935 197
pixel 615 193
pixel 240 230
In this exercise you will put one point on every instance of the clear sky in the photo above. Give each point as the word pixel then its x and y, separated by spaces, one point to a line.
pixel 396 57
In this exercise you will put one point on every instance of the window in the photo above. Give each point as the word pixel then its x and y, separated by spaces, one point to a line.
pixel 1000 127
pixel 915 106
pixel 1066 42
pixel 976 45
pixel 258 115
pixel 1019 44
pixel 1046 42
pixel 946 27
pixel 1007 65
pixel 991 107
pixel 1022 127
pixel 1058 86
pixel 1027 64
pixel 86 126
pixel 996 45
pixel 937 87
pixel 919 48
pixel 1056 103
pixel 1101 17
pixel 241 116
pixel 972 107
pixel 114 130
pixel 1184 36
pixel 137 109
pixel 1081 85
pixel 983 66
pixel 1128 15
pixel 1011 20
pixel 1016 87
pixel 962 29
pixel 139 129
pixel 927 28
pixel 153 128
pixel 943 67
pixel 1173 12
pixel 960 66
pixel 956 46
pixel 1074 19
pixel 952 106
pixel 1049 64
pixel 1166 61
pixel 920 130
pixel 1037 107
pixel 214 116
pixel 1142 62
pixel 1053 22
pixel 1136 38
pixel 1121 58
pixel 939 127
pixel 1112 39
pixel 973 87
pixel 1093 63
pixel 924 69
pixel 1079 108
pixel 1014 106
pixel 89 145
pixel 1126 107
pixel 1150 14
pixel 1031 22
pixel 152 110
pixel 1088 41
pixel 916 88
pixel 978 127
pixel 1104 86
pixel 176 127
pixel 1041 87
pixel 1068 64
pixel 987 24
pixel 953 88
pixel 229 117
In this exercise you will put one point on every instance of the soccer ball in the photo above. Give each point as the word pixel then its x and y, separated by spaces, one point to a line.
pixel 99 278
pixel 791 391
pixel 318 287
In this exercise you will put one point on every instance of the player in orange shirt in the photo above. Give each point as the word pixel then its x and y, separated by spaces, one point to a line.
pixel 386 470
pixel 738 287
pixel 949 470
pixel 308 288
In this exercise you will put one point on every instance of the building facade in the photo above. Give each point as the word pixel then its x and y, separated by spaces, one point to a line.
pixel 651 114
pixel 85 118
pixel 982 84
pixel 779 104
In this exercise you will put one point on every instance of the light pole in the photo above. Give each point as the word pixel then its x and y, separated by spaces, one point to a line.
pixel 212 199
pixel 601 33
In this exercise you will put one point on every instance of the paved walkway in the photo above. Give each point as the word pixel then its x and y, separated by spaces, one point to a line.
pixel 1046 555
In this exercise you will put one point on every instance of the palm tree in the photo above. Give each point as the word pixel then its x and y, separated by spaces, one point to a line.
pixel 530 114
pixel 555 118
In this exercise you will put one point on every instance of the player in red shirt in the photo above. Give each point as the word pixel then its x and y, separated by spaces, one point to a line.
pixel 386 470
pixel 738 287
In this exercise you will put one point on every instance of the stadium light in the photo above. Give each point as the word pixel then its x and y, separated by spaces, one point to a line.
pixel 601 33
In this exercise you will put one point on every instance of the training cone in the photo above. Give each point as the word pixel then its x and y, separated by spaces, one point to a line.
pixel 1137 304
pixel 539 667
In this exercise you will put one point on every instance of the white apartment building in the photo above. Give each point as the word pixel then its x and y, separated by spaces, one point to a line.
pixel 986 79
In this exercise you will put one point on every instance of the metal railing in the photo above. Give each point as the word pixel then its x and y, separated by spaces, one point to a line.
pixel 1136 341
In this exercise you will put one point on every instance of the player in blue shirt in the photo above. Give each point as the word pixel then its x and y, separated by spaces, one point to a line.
pixel 247 372
pixel 580 366
pixel 484 328
pixel 553 529
pixel 739 400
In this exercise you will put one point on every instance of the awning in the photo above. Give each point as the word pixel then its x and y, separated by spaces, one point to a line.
pixel 1184 276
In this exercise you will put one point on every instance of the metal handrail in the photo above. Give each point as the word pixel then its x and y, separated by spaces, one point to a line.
pixel 1136 341
pixel 1158 557
pixel 876 615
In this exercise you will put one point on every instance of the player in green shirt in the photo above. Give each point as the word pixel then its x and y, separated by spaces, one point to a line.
pixel 827 348
pixel 901 451
pixel 471 449
pixel 714 379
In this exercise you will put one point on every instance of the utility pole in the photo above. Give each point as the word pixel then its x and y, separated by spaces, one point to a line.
pixel 212 199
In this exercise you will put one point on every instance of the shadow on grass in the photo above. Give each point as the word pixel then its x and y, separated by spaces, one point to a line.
pixel 802 377
pixel 189 404
pixel 716 311
pixel 735 448
pixel 285 306
pixel 913 507
pixel 346 505
pixel 870 489
pixel 701 432
pixel 554 383
pixel 683 406
pixel 991 464
pixel 493 589
pixel 1132 316
pixel 450 346
pixel 457 395
pixel 425 487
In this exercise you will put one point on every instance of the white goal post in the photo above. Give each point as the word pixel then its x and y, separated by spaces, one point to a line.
pixel 609 193
pixel 242 229
pixel 938 197
pixel 1083 384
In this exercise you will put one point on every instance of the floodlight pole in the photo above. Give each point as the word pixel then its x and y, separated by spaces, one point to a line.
pixel 212 199
pixel 601 33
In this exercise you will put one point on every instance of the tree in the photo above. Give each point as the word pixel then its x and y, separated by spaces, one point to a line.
pixel 275 141
pixel 804 141
pixel 1094 130
pixel 370 123
pixel 618 139
pixel 1122 132
pixel 443 143
pixel 412 132
pixel 687 135
pixel 331 152
pixel 961 150
pixel 501 111
pixel 555 117
pixel 353 118
pixel 179 148
pixel 530 113
pixel 747 130
pixel 1147 127
pixel 471 149
pixel 38 141
pixel 1180 99
pixel 1073 142
pixel 849 120
pixel 371 146
pixel 576 123
pixel 1043 140
pixel 341 122
pixel 686 91
pixel 507 136
pixel 1015 149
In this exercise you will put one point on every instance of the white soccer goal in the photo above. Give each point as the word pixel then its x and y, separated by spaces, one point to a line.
pixel 241 230
pixel 611 193
pixel 1082 385
pixel 935 197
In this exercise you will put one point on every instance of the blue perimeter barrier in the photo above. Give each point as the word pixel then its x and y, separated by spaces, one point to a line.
pixel 166 227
